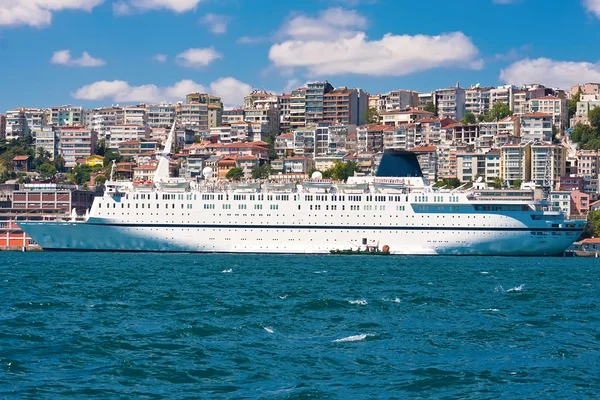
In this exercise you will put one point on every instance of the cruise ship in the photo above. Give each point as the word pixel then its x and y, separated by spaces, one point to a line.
pixel 395 209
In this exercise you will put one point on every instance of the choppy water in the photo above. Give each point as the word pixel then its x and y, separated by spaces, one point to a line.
pixel 180 326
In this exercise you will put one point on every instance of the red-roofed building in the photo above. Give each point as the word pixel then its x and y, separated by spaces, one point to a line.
pixel 22 163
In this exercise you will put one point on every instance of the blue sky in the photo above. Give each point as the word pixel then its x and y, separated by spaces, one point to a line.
pixel 103 52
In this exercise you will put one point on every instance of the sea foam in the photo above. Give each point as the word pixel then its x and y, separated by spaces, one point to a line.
pixel 354 338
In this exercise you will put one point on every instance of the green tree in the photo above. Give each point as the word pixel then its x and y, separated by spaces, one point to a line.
pixel 272 153
pixel 59 163
pixel 80 174
pixel 262 171
pixel 46 170
pixel 500 110
pixel 586 137
pixel 110 155
pixel 100 147
pixel 572 105
pixel 99 180
pixel 197 138
pixel 469 119
pixel 594 118
pixel 497 183
pixel 517 184
pixel 430 107
pixel 592 229
pixel 372 116
pixel 235 174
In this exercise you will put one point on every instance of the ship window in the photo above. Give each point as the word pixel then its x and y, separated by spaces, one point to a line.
pixel 173 205
pixel 99 205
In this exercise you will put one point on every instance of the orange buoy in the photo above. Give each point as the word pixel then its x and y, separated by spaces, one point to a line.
pixel 385 248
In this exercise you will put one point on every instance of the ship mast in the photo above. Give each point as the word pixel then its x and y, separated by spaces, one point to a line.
pixel 162 170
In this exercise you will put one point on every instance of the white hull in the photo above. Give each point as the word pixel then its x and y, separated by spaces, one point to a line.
pixel 305 240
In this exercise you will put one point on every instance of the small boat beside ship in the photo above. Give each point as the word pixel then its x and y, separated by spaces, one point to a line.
pixel 368 250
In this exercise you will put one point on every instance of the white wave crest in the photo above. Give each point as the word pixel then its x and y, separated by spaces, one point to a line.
pixel 354 338
pixel 359 302
pixel 516 288
pixel 490 309
pixel 227 271
pixel 268 329
pixel 484 272
pixel 283 297
pixel 320 272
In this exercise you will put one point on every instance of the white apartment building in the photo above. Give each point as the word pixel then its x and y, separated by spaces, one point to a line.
pixel 16 124
pixel 117 134
pixel 192 116
pixel 548 164
pixel 401 99
pixel 47 139
pixel 472 166
pixel 554 106
pixel 100 119
pixel 405 136
pixel 222 132
pixel 160 115
pixel 264 115
pixel 586 104
pixel 503 94
pixel 510 125
pixel 135 115
pixel 399 117
pixel 515 163
pixel 477 100
pixel 450 103
pixel 536 127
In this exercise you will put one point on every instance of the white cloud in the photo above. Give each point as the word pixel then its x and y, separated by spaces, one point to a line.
pixel 231 90
pixel 194 58
pixel 38 13
pixel 251 39
pixel 331 23
pixel 161 58
pixel 393 55
pixel 63 57
pixel 179 6
pixel 334 43
pixel 561 74
pixel 216 24
pixel 592 6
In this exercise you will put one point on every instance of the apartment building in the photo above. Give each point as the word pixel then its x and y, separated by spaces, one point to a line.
pixel 257 95
pixel 425 99
pixel 269 117
pixel 427 156
pixel 554 106
pixel 548 164
pixel 450 103
pixel 510 125
pixel 430 130
pixel 401 99
pixel 204 98
pixel 536 126
pixel 370 137
pixel 587 167
pixel 135 115
pixel 472 166
pixel 76 142
pixel 298 108
pixel 503 94
pixel 284 112
pixel 47 139
pixel 16 124
pixel 586 104
pixel 117 134
pixel 315 95
pixel 515 163
pixel 100 119
pixel 231 116
pixel 192 116
pixel 67 115
pixel 160 115
pixel 215 116
pixel 399 117
pixel 586 88
pixel 345 106
pixel 404 136
pixel 477 100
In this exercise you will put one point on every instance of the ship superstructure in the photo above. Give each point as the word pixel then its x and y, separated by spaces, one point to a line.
pixel 396 208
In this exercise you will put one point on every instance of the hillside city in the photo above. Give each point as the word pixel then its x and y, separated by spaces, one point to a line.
pixel 503 136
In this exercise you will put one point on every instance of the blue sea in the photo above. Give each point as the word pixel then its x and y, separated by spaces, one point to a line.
pixel 188 326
